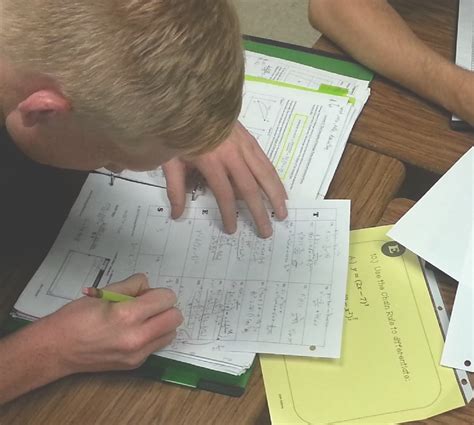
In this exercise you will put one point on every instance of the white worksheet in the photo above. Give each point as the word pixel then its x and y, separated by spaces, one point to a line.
pixel 237 292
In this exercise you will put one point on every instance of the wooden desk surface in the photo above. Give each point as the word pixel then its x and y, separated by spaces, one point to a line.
pixel 118 398
pixel 401 125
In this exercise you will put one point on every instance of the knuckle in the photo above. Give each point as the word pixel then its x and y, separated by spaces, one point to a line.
pixel 176 316
pixel 167 339
pixel 168 296
pixel 131 344
pixel 141 277
pixel 125 315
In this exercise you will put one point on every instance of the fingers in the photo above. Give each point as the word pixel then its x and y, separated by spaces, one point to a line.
pixel 175 174
pixel 252 172
pixel 162 324
pixel 238 161
pixel 154 302
pixel 218 181
pixel 134 285
pixel 138 356
pixel 149 302
pixel 250 191
pixel 159 343
pixel 268 179
pixel 152 335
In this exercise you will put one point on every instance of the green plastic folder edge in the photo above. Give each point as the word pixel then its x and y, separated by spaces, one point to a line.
pixel 308 56
pixel 172 371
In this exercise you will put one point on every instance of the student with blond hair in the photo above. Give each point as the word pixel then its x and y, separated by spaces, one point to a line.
pixel 125 84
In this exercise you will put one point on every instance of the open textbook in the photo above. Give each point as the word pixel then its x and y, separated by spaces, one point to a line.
pixel 239 294
pixel 301 117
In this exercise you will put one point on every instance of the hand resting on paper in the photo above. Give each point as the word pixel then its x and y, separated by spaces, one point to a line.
pixel 89 335
pixel 236 168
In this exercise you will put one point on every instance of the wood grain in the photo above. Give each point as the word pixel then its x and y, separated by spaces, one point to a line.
pixel 400 124
pixel 395 210
pixel 370 180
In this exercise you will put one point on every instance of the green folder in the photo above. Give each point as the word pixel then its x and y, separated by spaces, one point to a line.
pixel 197 377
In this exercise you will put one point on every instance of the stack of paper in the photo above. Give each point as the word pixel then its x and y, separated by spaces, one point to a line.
pixel 439 228
pixel 337 120
pixel 239 294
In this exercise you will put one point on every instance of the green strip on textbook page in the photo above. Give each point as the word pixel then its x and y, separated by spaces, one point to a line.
pixel 323 88
pixel 304 56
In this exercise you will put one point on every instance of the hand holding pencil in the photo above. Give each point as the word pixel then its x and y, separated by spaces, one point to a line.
pixel 93 335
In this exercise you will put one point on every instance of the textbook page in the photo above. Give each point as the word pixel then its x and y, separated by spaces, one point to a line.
pixel 271 68
pixel 298 130
pixel 237 292
pixel 281 70
pixel 389 371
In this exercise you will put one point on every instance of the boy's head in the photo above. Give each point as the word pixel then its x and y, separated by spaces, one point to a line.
pixel 120 83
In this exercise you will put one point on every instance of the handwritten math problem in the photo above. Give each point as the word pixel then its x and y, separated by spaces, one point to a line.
pixel 238 292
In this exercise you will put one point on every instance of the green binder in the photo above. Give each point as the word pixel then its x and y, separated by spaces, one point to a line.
pixel 197 377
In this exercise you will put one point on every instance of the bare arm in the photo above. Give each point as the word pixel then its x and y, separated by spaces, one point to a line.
pixel 27 362
pixel 374 34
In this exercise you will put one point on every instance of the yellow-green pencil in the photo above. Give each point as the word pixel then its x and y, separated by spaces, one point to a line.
pixel 106 295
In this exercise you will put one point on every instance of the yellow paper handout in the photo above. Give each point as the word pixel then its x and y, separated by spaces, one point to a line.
pixel 390 369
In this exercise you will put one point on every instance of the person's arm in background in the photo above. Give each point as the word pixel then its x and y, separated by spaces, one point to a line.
pixel 375 35
pixel 89 335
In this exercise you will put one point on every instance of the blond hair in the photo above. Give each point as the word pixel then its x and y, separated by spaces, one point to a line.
pixel 167 69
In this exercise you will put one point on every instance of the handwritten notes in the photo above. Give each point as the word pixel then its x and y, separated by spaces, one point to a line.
pixel 237 292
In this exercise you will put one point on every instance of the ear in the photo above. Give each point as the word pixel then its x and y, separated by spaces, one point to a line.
pixel 42 105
